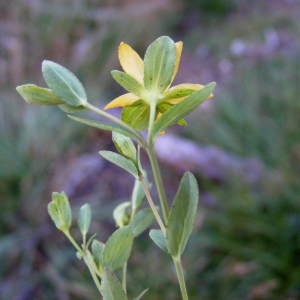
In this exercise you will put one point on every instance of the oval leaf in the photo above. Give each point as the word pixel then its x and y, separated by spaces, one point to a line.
pixel 60 211
pixel 64 83
pixel 159 239
pixel 97 251
pixel 124 145
pixel 122 214
pixel 160 60
pixel 137 196
pixel 84 218
pixel 180 110
pixel 37 95
pixel 103 126
pixel 182 215
pixel 141 221
pixel 120 161
pixel 111 288
pixel 117 249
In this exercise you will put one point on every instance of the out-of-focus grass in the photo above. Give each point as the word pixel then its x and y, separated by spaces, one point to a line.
pixel 250 240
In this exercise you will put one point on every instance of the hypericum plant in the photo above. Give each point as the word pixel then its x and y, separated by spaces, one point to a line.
pixel 151 105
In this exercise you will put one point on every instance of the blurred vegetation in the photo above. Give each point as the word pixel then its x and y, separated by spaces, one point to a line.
pixel 247 242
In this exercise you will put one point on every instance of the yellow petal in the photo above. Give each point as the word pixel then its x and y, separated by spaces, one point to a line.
pixel 131 62
pixel 188 86
pixel 121 101
pixel 179 46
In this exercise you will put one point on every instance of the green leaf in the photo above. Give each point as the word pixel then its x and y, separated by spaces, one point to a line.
pixel 141 221
pixel 138 195
pixel 140 296
pixel 97 251
pixel 117 249
pixel 159 239
pixel 103 126
pixel 160 59
pixel 60 211
pixel 84 218
pixel 124 145
pixel 136 115
pixel 64 83
pixel 120 161
pixel 111 287
pixel 180 110
pixel 122 214
pixel 37 95
pixel 127 82
pixel 182 215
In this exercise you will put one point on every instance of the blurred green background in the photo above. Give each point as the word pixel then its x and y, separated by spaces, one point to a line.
pixel 245 145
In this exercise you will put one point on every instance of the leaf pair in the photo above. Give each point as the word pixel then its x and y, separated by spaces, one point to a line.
pixel 127 159
pixel 65 89
pixel 181 218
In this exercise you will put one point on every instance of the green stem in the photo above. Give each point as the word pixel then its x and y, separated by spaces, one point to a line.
pixel 151 121
pixel 87 259
pixel 124 277
pixel 152 205
pixel 73 242
pixel 180 276
pixel 158 182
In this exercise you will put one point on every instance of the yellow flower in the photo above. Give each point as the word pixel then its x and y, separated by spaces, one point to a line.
pixel 133 65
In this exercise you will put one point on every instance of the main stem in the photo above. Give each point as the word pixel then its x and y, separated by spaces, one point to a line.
pixel 180 276
pixel 158 181
pixel 165 210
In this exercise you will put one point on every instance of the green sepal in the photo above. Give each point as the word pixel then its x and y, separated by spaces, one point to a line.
pixel 182 214
pixel 69 109
pixel 60 211
pixel 64 83
pixel 141 221
pixel 159 239
pixel 37 95
pixel 118 248
pixel 159 61
pixel 111 288
pixel 122 214
pixel 127 82
pixel 180 110
pixel 120 161
pixel 174 93
pixel 125 146
pixel 136 115
pixel 163 107
pixel 84 218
